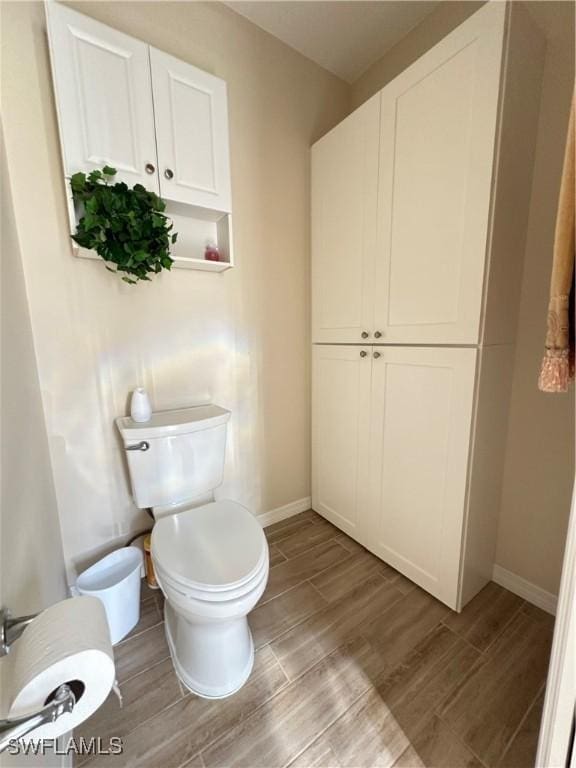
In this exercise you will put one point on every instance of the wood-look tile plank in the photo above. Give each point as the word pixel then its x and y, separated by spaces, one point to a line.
pixel 342 578
pixel 438 747
pixel 306 537
pixel 395 633
pixel 275 555
pixel 276 733
pixel 367 734
pixel 349 544
pixel 409 759
pixel 537 614
pixel 271 619
pixel 146 592
pixel 285 528
pixel 487 708
pixel 521 753
pixel 292 572
pixel 401 582
pixel 194 762
pixel 147 595
pixel 143 696
pixel 426 677
pixel 150 616
pixel 318 755
pixel 303 646
pixel 136 654
pixel 176 735
pixel 485 616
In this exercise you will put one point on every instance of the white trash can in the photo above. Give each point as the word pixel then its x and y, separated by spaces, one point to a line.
pixel 116 581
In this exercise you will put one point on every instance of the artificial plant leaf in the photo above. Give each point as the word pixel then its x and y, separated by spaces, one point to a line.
pixel 78 182
pixel 125 226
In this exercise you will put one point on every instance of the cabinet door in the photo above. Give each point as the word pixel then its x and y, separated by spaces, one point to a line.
pixel 422 401
pixel 104 97
pixel 438 130
pixel 344 196
pixel 192 133
pixel 340 431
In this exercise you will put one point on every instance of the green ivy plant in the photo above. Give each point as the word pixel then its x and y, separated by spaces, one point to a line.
pixel 126 227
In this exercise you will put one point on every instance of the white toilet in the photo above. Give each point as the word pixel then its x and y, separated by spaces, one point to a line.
pixel 210 557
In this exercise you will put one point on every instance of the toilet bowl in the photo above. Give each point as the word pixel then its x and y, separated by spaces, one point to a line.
pixel 210 559
pixel 211 563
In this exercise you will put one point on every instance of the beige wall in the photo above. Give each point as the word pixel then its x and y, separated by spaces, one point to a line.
pixel 31 561
pixel 539 462
pixel 443 19
pixel 539 469
pixel 240 339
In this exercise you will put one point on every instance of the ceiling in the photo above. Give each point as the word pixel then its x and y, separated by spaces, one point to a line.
pixel 344 37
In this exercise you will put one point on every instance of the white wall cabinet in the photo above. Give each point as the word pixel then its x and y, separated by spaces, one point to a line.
pixel 391 435
pixel 341 435
pixel 416 268
pixel 103 98
pixel 410 268
pixel 159 121
pixel 437 140
pixel 421 418
pixel 344 200
pixel 192 133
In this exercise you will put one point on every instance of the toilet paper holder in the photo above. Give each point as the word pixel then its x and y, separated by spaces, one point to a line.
pixel 62 700
pixel 11 629
pixel 15 728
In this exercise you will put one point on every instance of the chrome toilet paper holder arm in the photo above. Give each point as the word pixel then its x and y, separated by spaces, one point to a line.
pixel 12 628
pixel 15 728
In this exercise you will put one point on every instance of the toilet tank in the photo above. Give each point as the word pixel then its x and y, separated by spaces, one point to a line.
pixel 176 455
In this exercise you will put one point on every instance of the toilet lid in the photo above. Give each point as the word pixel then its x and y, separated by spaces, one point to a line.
pixel 216 546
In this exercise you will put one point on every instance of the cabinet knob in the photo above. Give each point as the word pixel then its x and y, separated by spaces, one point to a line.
pixel 149 168
pixel 169 173
pixel 364 334
pixel 378 335
pixel 363 353
pixel 377 355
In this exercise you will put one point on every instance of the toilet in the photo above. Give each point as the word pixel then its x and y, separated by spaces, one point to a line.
pixel 210 557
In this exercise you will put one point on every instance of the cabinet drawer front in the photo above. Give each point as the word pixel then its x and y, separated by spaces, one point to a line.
pixel 192 132
pixel 422 400
pixel 340 414
pixel 104 97
pixel 438 132
pixel 344 196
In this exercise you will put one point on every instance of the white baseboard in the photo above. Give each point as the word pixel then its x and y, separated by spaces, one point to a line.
pixel 288 510
pixel 523 588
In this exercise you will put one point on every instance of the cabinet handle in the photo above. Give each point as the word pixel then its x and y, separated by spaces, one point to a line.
pixel 364 334
pixel 363 353
pixel 378 335
pixel 149 168
pixel 377 355
pixel 169 173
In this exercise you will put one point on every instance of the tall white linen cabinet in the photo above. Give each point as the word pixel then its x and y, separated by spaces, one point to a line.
pixel 420 203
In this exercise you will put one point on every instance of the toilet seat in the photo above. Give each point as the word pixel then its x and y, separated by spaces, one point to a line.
pixel 204 596
pixel 216 552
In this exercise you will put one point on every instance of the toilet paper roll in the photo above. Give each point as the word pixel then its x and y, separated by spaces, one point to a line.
pixel 67 643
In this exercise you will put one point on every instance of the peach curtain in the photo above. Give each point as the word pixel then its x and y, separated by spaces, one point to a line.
pixel 558 364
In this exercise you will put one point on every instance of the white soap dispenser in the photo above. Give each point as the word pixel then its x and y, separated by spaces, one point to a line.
pixel 140 409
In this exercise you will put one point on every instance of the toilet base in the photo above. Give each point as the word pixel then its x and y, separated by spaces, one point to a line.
pixel 212 659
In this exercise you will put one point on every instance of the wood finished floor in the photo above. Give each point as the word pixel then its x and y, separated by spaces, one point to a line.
pixel 355 667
